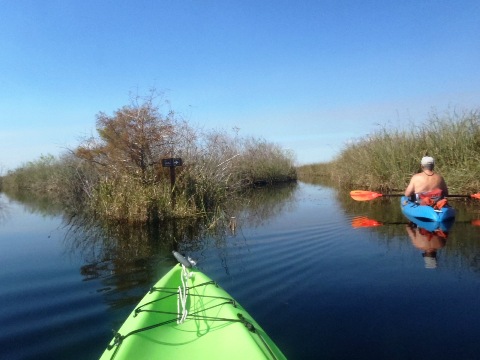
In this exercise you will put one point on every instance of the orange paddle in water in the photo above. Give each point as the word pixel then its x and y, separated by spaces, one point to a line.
pixel 363 221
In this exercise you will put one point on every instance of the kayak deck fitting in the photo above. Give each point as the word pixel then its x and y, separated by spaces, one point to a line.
pixel 186 314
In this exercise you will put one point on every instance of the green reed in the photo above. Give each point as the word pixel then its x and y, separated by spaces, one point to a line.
pixel 386 159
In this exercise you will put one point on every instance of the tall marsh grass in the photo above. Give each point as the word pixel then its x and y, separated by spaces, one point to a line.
pixel 386 159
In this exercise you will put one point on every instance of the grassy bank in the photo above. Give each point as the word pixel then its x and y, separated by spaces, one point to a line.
pixel 118 174
pixel 386 159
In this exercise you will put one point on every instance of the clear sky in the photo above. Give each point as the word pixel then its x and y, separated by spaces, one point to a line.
pixel 308 75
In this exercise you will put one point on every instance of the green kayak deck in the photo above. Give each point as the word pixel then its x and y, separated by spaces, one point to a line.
pixel 207 323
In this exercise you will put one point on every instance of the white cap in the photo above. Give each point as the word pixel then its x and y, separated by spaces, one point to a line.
pixel 426 160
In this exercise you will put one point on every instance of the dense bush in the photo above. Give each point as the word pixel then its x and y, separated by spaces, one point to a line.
pixel 119 175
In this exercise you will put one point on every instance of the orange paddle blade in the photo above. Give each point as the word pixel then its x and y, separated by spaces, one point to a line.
pixel 476 196
pixel 476 222
pixel 363 221
pixel 362 195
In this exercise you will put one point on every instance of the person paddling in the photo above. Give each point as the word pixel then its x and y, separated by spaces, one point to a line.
pixel 427 181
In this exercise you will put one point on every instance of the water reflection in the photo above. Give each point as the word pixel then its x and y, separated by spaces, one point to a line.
pixel 384 217
pixel 35 203
pixel 3 209
pixel 303 227
pixel 125 248
pixel 428 237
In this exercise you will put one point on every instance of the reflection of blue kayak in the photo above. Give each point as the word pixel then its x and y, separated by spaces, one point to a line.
pixel 425 213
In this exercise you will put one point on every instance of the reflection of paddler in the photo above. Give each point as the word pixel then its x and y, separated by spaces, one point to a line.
pixel 428 241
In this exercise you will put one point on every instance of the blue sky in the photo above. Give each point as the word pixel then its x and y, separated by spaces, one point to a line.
pixel 308 75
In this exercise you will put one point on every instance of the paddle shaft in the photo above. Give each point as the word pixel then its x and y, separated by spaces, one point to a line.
pixel 459 196
pixel 363 195
pixel 448 196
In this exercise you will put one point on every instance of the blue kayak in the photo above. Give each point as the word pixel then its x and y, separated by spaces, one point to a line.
pixel 430 225
pixel 425 212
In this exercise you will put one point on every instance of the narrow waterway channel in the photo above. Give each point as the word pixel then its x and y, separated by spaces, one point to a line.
pixel 319 286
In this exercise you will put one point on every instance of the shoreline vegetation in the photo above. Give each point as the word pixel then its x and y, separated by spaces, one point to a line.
pixel 386 159
pixel 118 174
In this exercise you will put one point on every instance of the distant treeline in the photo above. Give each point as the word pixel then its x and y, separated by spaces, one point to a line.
pixel 386 159
pixel 118 174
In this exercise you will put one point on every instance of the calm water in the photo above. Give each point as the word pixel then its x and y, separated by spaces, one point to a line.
pixel 319 286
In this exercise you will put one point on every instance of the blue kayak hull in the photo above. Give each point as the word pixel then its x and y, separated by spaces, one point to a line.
pixel 425 213
pixel 432 226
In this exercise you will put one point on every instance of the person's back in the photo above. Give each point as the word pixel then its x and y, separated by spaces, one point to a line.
pixel 427 180
pixel 424 182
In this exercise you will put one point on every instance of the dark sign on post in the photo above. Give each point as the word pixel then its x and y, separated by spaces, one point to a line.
pixel 172 163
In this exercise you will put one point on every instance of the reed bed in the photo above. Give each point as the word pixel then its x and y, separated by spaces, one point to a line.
pixel 386 159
